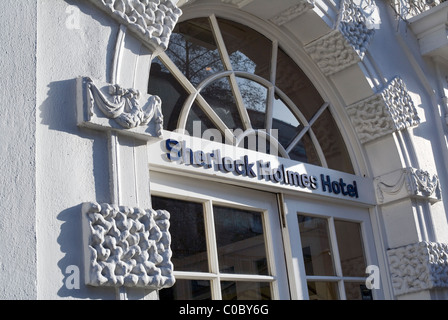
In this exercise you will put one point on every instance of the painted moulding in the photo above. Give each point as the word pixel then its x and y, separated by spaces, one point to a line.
pixel 388 111
pixel 417 267
pixel 127 247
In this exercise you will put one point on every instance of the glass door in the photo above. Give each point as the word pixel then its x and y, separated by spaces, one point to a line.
pixel 226 240
pixel 333 246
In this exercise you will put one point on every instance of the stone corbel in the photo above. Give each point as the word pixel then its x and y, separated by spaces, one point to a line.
pixel 106 107
pixel 407 183
pixel 417 267
pixel 346 44
pixel 126 247
pixel 390 110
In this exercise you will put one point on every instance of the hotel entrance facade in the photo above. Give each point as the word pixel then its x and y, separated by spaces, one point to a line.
pixel 235 150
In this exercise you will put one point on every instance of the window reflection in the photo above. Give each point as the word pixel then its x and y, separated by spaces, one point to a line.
pixel 240 290
pixel 240 241
pixel 316 247
pixel 332 143
pixel 255 100
pixel 197 118
pixel 351 250
pixel 285 122
pixel 305 151
pixel 187 219
pixel 194 51
pixel 163 84
pixel 357 291
pixel 321 290
pixel 187 290
pixel 248 50
pixel 296 85
pixel 219 96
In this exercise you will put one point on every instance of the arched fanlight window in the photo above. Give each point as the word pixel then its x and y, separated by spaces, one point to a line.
pixel 221 75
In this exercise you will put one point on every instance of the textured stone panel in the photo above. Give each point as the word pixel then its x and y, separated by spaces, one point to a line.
pixel 127 247
pixel 419 266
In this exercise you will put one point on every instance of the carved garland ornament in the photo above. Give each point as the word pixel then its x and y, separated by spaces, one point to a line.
pixel 388 111
pixel 123 106
pixel 127 247
pixel 151 20
pixel 407 182
pixel 417 267
pixel 109 107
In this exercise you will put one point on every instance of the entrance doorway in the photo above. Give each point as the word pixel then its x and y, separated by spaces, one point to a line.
pixel 334 245
pixel 235 243
pixel 226 240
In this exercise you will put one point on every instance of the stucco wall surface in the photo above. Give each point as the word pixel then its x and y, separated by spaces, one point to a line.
pixel 17 150
pixel 72 163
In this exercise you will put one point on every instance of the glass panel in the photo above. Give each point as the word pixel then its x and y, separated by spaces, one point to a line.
pixel 245 290
pixel 285 122
pixel 320 290
pixel 187 219
pixel 316 247
pixel 203 121
pixel 255 99
pixel 248 50
pixel 194 51
pixel 240 241
pixel 219 96
pixel 163 84
pixel 357 291
pixel 332 144
pixel 187 290
pixel 305 151
pixel 351 249
pixel 296 85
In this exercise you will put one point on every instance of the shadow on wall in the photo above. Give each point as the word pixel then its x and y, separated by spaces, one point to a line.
pixel 72 264
pixel 58 152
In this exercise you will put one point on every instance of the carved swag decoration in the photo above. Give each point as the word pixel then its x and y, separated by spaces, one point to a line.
pixel 124 107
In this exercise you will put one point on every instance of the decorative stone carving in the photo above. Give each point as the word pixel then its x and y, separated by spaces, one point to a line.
pixel 419 266
pixel 152 21
pixel 344 46
pixel 127 247
pixel 407 182
pixel 354 27
pixel 292 12
pixel 388 111
pixel 111 106
pixel 332 53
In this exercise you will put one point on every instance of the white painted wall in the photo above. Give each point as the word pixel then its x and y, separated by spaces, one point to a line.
pixel 72 164
pixel 18 272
